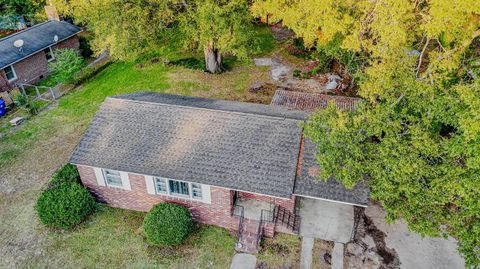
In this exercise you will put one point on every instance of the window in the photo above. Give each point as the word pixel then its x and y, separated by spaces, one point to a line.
pixel 161 185
pixel 112 178
pixel 178 187
pixel 49 54
pixel 172 187
pixel 196 191
pixel 10 73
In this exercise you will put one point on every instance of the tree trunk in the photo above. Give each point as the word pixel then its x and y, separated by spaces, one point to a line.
pixel 213 59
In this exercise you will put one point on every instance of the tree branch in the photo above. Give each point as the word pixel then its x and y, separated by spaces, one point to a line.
pixel 421 57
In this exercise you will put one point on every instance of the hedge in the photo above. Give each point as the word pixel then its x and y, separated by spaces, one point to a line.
pixel 65 205
pixel 167 224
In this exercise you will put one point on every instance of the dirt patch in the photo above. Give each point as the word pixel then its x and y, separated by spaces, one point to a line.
pixel 322 254
pixel 280 32
pixel 280 252
pixel 368 249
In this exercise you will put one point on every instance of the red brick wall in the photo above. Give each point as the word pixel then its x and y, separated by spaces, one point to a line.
pixel 34 68
pixel 217 213
pixel 31 69
pixel 70 43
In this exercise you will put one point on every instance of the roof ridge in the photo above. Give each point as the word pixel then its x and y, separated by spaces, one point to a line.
pixel 24 30
pixel 212 109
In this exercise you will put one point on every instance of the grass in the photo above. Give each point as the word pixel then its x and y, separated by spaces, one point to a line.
pixel 111 238
pixel 281 251
pixel 321 250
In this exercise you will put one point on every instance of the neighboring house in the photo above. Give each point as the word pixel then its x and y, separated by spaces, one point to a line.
pixel 241 166
pixel 28 63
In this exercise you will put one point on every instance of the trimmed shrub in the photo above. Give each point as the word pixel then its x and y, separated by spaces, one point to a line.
pixel 167 224
pixel 64 205
pixel 67 174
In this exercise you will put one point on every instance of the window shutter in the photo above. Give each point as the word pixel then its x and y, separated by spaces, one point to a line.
pixel 150 184
pixel 125 181
pixel 206 194
pixel 99 176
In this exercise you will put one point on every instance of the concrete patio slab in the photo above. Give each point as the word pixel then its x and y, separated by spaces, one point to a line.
pixel 243 261
pixel 326 220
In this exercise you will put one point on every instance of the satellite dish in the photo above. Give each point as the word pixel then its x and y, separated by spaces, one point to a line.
pixel 55 38
pixel 18 43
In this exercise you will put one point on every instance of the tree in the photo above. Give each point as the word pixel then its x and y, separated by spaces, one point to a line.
pixel 29 9
pixel 126 28
pixel 68 62
pixel 218 27
pixel 131 28
pixel 415 139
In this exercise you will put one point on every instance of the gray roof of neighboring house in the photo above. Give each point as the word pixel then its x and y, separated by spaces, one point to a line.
pixel 36 38
pixel 242 146
pixel 308 185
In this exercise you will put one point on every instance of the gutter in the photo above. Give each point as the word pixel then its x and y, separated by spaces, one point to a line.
pixel 21 59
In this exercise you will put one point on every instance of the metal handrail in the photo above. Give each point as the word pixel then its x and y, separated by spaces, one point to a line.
pixel 238 210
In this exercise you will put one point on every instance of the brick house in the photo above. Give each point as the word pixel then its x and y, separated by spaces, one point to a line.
pixel 240 166
pixel 29 63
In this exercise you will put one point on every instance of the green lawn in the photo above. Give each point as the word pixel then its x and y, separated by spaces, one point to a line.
pixel 281 251
pixel 112 238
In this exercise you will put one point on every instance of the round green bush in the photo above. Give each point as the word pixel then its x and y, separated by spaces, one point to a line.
pixel 65 205
pixel 67 174
pixel 167 224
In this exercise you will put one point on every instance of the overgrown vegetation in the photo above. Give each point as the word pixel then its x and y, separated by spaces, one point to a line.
pixel 415 138
pixel 67 64
pixel 167 224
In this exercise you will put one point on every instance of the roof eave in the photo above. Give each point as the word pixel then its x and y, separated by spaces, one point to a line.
pixel 37 51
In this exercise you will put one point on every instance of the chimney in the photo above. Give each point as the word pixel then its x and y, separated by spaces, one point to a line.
pixel 51 12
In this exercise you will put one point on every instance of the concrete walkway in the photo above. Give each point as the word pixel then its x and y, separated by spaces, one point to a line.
pixel 337 256
pixel 326 220
pixel 243 261
pixel 306 255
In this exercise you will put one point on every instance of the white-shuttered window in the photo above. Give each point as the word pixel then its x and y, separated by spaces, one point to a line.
pixel 178 188
pixel 112 178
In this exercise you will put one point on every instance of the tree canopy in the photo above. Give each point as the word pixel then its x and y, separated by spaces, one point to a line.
pixel 130 28
pixel 415 139
pixel 31 10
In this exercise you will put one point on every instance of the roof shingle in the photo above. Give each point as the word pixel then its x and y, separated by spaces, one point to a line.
pixel 35 38
pixel 240 146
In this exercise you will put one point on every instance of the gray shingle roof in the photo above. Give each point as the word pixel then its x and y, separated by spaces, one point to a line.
pixel 36 38
pixel 241 146
pixel 307 184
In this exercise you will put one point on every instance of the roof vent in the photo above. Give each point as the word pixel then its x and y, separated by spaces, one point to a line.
pixel 18 44
pixel 55 38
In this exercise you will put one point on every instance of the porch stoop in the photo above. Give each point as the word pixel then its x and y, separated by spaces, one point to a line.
pixel 248 237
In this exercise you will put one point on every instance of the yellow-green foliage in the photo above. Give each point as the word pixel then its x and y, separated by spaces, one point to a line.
pixel 416 137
